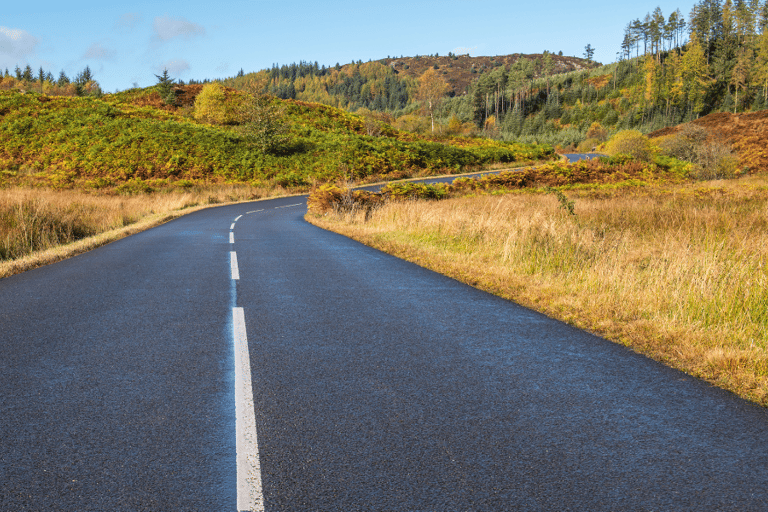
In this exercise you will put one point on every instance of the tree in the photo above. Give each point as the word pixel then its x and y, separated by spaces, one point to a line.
pixel 589 52
pixel 63 79
pixel 431 91
pixel 211 104
pixel 165 88
pixel 740 75
pixel 549 68
pixel 41 78
pixel 760 66
pixel 27 74
pixel 693 75
pixel 263 121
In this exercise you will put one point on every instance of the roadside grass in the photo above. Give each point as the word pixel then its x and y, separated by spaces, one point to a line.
pixel 676 271
pixel 40 226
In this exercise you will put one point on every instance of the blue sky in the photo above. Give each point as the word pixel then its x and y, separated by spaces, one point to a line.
pixel 128 43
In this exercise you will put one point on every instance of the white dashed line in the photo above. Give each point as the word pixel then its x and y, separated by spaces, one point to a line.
pixel 254 211
pixel 249 493
pixel 232 226
pixel 238 218
pixel 287 206
pixel 233 265
pixel 231 237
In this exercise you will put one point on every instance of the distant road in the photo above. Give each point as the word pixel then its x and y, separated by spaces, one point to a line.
pixel 574 157
pixel 376 385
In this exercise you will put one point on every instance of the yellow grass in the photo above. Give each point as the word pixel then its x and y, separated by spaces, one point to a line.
pixel 679 274
pixel 41 226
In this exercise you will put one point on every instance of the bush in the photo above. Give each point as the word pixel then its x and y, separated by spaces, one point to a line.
pixel 630 142
pixel 211 105
pixel 713 158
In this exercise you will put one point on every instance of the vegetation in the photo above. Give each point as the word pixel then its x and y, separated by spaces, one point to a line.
pixel 674 268
pixel 145 141
pixel 39 226
pixel 121 143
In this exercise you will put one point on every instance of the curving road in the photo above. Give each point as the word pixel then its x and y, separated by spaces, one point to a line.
pixel 376 385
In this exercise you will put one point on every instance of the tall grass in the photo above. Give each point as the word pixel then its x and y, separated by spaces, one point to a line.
pixel 678 273
pixel 34 222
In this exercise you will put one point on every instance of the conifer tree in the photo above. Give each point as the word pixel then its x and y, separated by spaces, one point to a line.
pixel 165 88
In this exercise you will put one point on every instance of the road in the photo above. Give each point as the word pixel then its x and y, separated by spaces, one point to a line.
pixel 376 385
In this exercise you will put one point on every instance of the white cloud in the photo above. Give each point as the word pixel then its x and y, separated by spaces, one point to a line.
pixel 128 21
pixel 223 67
pixel 167 28
pixel 98 52
pixel 175 67
pixel 465 51
pixel 16 44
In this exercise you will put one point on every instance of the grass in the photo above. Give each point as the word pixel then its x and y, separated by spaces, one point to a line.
pixel 41 226
pixel 678 272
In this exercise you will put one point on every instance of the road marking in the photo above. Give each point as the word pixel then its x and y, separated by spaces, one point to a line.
pixel 233 265
pixel 249 493
pixel 231 237
pixel 232 226
pixel 238 218
pixel 288 206
pixel 254 211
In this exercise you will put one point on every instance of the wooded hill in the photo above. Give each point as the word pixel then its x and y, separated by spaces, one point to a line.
pixel 390 84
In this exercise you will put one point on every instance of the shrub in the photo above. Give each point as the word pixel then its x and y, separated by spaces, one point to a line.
pixel 713 158
pixel 211 104
pixel 630 142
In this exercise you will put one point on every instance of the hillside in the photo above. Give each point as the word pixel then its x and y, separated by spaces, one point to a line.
pixel 390 84
pixel 747 133
pixel 133 141
pixel 460 71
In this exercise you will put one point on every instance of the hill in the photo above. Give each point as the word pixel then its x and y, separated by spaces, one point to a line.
pixel 135 141
pixel 460 71
pixel 390 84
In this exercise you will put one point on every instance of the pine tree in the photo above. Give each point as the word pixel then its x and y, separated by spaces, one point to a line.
pixel 63 79
pixel 165 88
pixel 27 75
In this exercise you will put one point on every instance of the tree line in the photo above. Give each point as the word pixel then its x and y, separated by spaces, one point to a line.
pixel 84 83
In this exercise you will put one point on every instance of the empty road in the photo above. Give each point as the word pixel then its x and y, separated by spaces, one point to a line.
pixel 239 358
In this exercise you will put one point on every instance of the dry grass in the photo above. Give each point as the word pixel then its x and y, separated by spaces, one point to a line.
pixel 679 274
pixel 41 226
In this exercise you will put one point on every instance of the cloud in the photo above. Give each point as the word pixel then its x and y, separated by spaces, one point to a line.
pixel 98 52
pixel 167 28
pixel 16 43
pixel 175 67
pixel 461 50
pixel 223 67
pixel 128 21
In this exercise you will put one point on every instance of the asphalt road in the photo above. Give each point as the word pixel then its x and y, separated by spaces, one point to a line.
pixel 377 385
